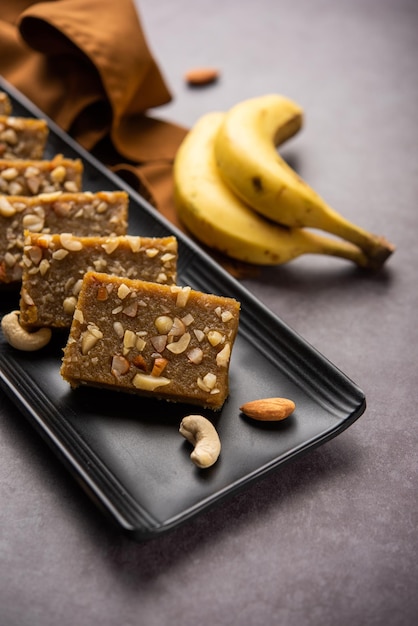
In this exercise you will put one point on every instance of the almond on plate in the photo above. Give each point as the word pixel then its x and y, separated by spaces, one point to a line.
pixel 269 409
pixel 201 75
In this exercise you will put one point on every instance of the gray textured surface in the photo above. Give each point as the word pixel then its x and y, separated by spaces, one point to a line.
pixel 332 538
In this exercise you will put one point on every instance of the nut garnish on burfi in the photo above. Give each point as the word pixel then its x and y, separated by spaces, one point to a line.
pixel 23 177
pixel 5 104
pixel 22 138
pixel 54 266
pixel 169 342
pixel 80 213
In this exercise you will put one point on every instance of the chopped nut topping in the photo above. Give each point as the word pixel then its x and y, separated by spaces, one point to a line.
pixel 58 174
pixel 118 328
pixel 44 240
pixel 209 380
pixel 35 254
pixel 159 366
pixel 111 245
pixel 15 188
pixel 195 355
pixel 131 309
pixel 163 324
pixel 100 265
pixel 215 337
pixel 207 383
pixel 31 171
pixel 59 254
pixel 9 136
pixel 222 358
pixel 70 243
pixel 9 173
pixel 202 385
pixel 161 278
pixel 151 252
pixel 182 294
pixel 187 319
pixel 78 315
pixel 226 316
pixel 44 266
pixel 119 366
pixel 90 338
pixel 134 243
pixel 177 347
pixel 62 208
pixel 10 259
pixel 34 183
pixel 167 257
pixel 178 328
pixel 159 342
pixel 26 297
pixel 146 382
pixel 6 209
pixel 129 340
pixel 199 334
pixel 70 185
pixel 140 362
pixel 102 293
pixel 140 343
pixel 92 328
pixel 102 207
pixel 33 222
pixel 69 305
pixel 123 291
pixel 77 287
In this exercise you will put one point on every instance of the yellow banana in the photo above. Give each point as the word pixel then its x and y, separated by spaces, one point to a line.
pixel 219 219
pixel 248 161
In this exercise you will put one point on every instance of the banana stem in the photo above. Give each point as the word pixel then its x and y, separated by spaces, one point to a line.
pixel 377 249
pixel 343 249
pixel 318 214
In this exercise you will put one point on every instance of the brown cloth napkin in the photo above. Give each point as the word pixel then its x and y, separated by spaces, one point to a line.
pixel 87 65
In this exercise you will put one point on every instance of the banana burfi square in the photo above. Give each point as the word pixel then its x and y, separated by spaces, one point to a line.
pixel 86 213
pixel 54 266
pixel 28 177
pixel 167 342
pixel 5 104
pixel 22 137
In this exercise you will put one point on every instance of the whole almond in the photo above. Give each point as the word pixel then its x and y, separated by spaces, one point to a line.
pixel 269 409
pixel 201 75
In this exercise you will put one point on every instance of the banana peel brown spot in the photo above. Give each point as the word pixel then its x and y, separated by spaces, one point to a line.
pixel 257 184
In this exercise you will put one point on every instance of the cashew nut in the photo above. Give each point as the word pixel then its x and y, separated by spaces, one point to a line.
pixel 19 337
pixel 203 436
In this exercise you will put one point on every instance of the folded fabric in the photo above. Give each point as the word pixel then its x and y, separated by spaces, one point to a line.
pixel 87 65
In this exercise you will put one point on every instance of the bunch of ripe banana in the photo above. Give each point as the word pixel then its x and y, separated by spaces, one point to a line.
pixel 235 193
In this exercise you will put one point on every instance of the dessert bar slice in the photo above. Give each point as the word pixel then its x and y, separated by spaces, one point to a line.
pixel 22 177
pixel 22 137
pixel 82 214
pixel 54 266
pixel 168 342
pixel 5 104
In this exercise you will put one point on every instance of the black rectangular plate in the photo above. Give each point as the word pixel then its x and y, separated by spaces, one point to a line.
pixel 126 451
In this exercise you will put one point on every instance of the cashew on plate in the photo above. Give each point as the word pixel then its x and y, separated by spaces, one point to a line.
pixel 201 433
pixel 23 339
